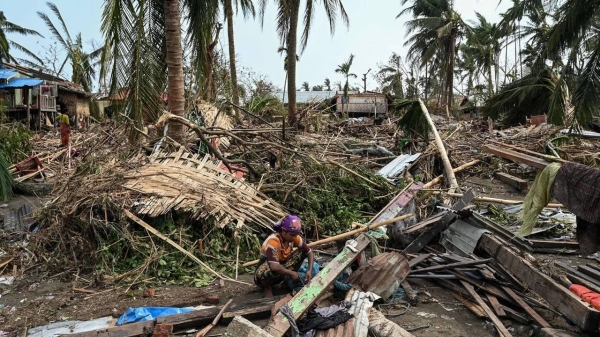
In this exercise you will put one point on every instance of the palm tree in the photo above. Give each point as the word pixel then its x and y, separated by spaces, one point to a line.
pixel 391 76
pixel 247 8
pixel 344 69
pixel 82 62
pixel 436 29
pixel 305 86
pixel 143 56
pixel 483 48
pixel 7 27
pixel 288 14
pixel 327 84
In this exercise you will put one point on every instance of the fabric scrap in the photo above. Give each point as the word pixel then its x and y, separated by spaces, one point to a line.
pixel 586 294
pixel 314 321
pixel 577 187
pixel 538 197
pixel 332 309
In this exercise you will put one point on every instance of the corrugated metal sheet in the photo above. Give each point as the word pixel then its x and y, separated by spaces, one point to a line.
pixel 359 325
pixel 381 275
pixel 398 165
pixel 7 73
pixel 21 82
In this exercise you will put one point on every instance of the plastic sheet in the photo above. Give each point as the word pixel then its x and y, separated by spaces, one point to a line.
pixel 148 313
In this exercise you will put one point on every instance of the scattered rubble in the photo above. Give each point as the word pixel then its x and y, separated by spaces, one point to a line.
pixel 212 200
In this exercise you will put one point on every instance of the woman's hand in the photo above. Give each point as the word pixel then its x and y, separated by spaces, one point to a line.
pixel 294 275
pixel 308 276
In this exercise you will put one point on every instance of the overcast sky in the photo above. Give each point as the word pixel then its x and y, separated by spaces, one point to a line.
pixel 374 33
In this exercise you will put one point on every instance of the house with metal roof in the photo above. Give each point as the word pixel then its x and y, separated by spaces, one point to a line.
pixel 29 93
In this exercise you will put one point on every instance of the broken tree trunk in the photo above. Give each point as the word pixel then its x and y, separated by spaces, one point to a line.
pixel 440 145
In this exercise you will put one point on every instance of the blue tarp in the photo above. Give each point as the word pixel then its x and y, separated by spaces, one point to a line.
pixel 21 82
pixel 7 73
pixel 133 315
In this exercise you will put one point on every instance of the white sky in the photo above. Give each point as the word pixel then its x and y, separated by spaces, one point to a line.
pixel 374 33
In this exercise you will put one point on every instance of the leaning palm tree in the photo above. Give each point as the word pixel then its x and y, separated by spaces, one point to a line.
pixel 344 69
pixel 436 29
pixel 288 14
pixel 391 76
pixel 82 63
pixel 7 27
pixel 327 84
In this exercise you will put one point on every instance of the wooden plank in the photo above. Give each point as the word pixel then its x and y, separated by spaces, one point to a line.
pixel 423 239
pixel 594 266
pixel 421 225
pixel 510 313
pixel 554 244
pixel 542 322
pixel 474 307
pixel 127 330
pixel 499 326
pixel 573 272
pixel 515 156
pixel 278 326
pixel 564 301
pixel 453 265
pixel 591 272
pixel 513 181
pixel 418 259
pixel 190 319
pixel 487 287
pixel 496 305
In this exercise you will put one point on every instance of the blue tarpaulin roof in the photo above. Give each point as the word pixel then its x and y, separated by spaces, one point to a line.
pixel 7 73
pixel 21 82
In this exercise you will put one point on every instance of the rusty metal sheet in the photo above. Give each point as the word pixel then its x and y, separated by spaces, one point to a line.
pixel 382 274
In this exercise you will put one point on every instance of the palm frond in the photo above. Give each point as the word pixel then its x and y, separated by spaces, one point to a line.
pixel 25 51
pixel 56 12
pixel 585 97
pixel 6 180
pixel 412 118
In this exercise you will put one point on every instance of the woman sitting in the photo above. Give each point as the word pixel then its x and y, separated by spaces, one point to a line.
pixel 278 258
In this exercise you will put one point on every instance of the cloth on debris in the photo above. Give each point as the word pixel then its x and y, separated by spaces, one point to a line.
pixel 133 315
pixel 577 187
pixel 586 294
pixel 289 314
pixel 314 321
pixel 538 197
pixel 332 309
pixel 340 284
pixel 263 270
pixel 296 285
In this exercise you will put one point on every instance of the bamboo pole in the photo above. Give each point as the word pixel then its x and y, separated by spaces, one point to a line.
pixel 497 201
pixel 347 234
pixel 440 145
pixel 456 170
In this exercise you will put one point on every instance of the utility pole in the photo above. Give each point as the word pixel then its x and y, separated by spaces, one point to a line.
pixel 365 80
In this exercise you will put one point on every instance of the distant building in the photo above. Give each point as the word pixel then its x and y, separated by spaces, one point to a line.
pixel 369 104
pixel 23 89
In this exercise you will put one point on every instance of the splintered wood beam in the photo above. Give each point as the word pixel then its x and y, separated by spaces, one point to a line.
pixel 527 308
pixel 279 325
pixel 428 235
pixel 515 156
pixel 513 181
pixel 499 326
pixel 496 305
pixel 558 296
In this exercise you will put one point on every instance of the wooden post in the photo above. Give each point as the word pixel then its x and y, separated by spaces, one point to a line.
pixel 28 108
pixel 438 140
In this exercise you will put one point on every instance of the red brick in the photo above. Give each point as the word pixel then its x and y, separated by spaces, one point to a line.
pixel 149 292
pixel 214 299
